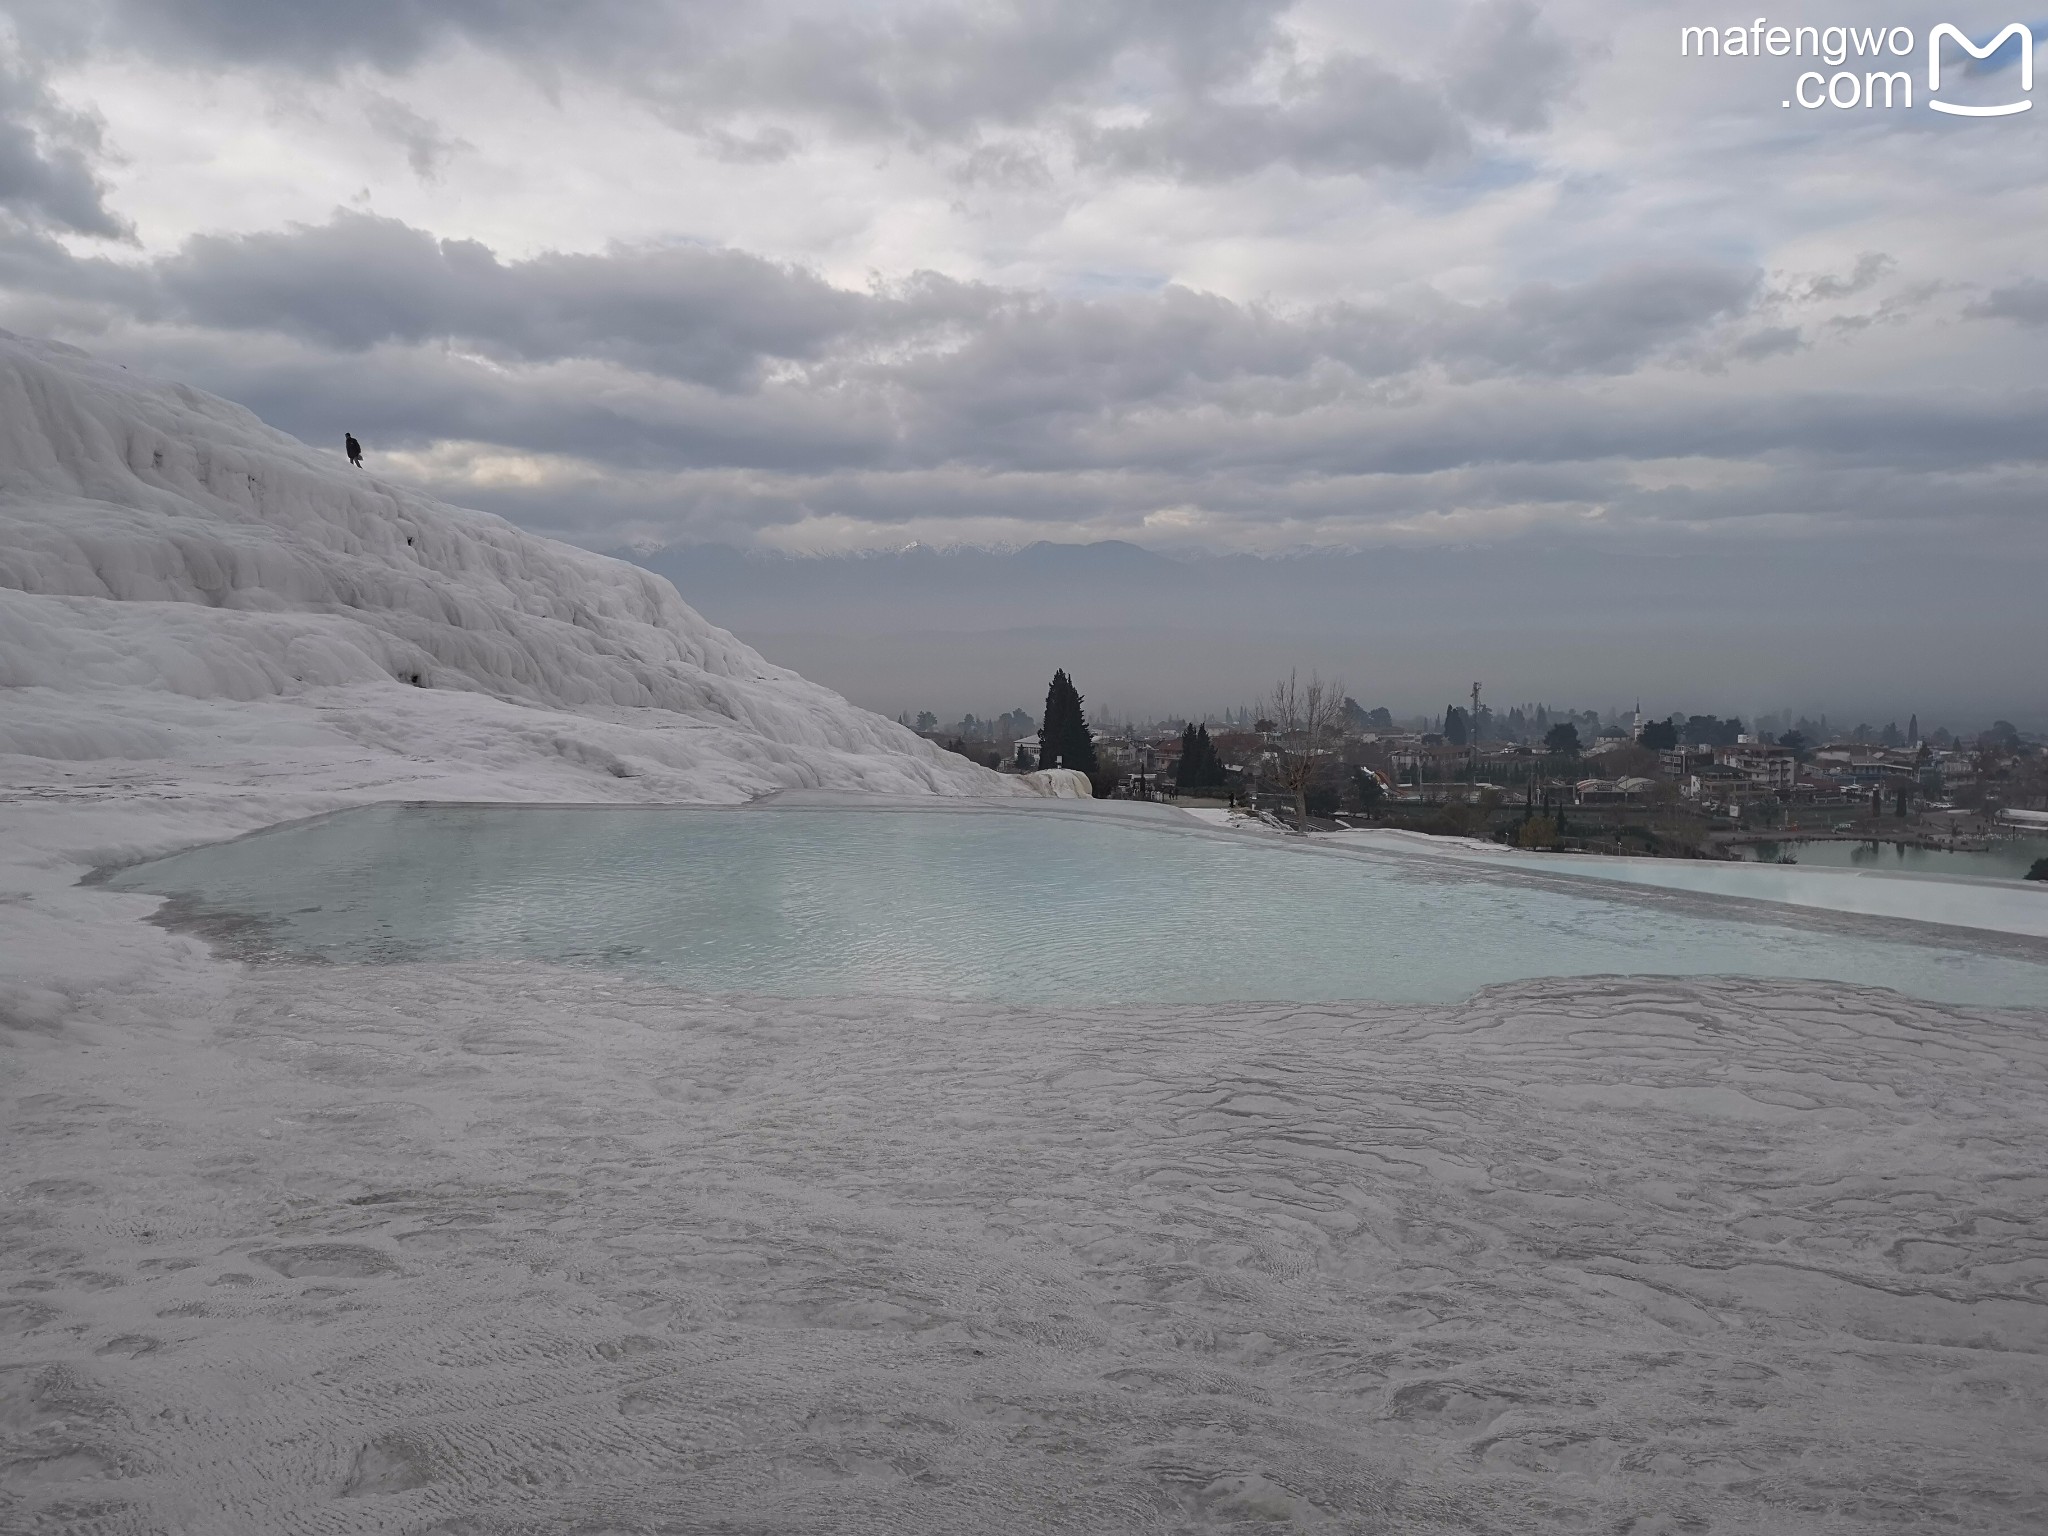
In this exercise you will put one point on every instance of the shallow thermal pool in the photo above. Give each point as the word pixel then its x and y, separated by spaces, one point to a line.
pixel 1038 905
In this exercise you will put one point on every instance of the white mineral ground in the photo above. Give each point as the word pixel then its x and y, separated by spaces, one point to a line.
pixel 469 1249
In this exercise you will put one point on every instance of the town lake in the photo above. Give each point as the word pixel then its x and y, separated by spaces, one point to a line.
pixel 2008 858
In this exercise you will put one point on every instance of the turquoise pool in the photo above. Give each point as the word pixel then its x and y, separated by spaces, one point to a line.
pixel 1037 905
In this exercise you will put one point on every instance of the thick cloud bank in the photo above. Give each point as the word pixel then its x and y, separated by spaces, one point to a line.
pixel 179 581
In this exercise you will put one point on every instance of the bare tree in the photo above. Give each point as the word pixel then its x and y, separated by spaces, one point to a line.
pixel 1307 719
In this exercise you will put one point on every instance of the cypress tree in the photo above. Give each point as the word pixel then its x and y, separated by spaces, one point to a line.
pixel 1200 767
pixel 1064 740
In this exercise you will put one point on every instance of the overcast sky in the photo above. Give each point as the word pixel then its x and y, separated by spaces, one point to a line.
pixel 1218 277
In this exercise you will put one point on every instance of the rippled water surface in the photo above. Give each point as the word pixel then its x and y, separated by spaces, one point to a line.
pixel 1037 905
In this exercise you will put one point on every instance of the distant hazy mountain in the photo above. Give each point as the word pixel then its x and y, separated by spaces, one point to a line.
pixel 1586 624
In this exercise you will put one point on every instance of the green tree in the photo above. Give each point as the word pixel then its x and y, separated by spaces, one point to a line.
pixel 1796 743
pixel 1064 740
pixel 1200 767
pixel 1563 739
pixel 1659 735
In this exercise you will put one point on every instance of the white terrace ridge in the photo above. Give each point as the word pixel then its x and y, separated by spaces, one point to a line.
pixel 164 553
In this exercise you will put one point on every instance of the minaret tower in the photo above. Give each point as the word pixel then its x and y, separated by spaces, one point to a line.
pixel 1472 736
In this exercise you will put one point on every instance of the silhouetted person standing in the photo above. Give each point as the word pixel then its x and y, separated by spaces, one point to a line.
pixel 355 449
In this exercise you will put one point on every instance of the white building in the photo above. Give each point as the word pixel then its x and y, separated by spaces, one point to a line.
pixel 1772 768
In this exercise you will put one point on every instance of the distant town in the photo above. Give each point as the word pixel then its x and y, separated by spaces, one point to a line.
pixel 1311 757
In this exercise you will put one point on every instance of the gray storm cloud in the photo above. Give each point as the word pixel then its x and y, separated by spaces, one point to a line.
pixel 932 73
pixel 47 175
pixel 693 346
pixel 688 359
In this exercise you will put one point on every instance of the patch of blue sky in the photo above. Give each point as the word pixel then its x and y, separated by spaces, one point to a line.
pixel 1104 280
pixel 1484 175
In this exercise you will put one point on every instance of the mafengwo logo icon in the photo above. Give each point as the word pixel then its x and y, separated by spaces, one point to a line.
pixel 2025 38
